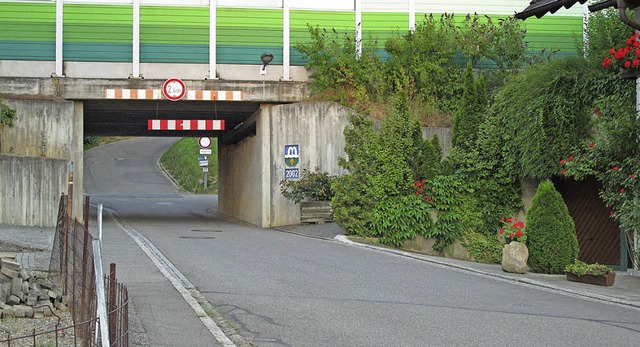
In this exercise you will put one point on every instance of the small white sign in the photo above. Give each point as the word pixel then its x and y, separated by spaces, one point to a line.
pixel 205 150
pixel 205 169
pixel 203 163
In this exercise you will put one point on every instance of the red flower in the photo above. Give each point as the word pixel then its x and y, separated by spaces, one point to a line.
pixel 627 64
pixel 635 62
pixel 622 190
pixel 637 52
pixel 570 158
pixel 561 161
pixel 418 184
pixel 518 233
pixel 501 231
pixel 606 62
pixel 519 224
pixel 615 168
pixel 633 175
pixel 591 145
pixel 502 219
pixel 611 213
pixel 564 171
pixel 612 51
pixel 511 235
pixel 596 110
pixel 508 220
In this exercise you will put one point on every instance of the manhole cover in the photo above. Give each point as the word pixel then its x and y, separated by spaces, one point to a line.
pixel 207 230
pixel 197 237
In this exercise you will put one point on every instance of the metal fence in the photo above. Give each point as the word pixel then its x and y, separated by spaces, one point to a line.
pixel 72 266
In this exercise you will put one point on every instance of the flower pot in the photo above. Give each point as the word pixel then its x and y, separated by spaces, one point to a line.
pixel 316 212
pixel 601 280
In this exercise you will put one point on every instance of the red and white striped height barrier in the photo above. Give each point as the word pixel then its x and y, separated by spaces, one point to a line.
pixel 186 124
pixel 156 94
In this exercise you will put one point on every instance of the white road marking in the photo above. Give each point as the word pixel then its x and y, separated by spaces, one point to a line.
pixel 168 270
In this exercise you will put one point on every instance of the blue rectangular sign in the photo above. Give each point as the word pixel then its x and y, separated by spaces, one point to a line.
pixel 291 174
pixel 291 151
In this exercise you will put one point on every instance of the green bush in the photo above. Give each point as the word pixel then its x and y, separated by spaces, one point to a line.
pixel 542 113
pixel 383 167
pixel 483 248
pixel 401 218
pixel 552 239
pixel 312 186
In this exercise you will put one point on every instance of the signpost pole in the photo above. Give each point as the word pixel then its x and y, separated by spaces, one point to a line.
pixel 205 148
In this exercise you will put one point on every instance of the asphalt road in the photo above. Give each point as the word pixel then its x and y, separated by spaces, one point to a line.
pixel 282 289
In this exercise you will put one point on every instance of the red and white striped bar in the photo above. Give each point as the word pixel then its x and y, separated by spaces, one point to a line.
pixel 186 124
pixel 156 94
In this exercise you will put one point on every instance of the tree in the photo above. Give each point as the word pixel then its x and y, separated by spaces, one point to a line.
pixel 552 239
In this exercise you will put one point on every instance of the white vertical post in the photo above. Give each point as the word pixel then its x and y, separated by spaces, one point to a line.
pixel 585 27
pixel 100 294
pixel 101 308
pixel 135 63
pixel 59 36
pixel 412 15
pixel 358 8
pixel 100 222
pixel 213 38
pixel 286 39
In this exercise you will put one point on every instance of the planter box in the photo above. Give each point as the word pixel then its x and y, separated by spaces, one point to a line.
pixel 604 280
pixel 316 212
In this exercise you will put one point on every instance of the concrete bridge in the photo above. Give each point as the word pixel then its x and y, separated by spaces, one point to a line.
pixel 259 118
pixel 82 67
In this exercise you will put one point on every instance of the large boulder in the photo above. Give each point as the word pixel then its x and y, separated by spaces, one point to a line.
pixel 514 257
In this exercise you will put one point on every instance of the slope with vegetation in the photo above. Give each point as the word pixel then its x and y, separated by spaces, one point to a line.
pixel 511 121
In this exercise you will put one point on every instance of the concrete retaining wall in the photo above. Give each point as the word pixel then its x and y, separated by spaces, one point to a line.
pixel 250 171
pixel 50 127
pixel 444 137
pixel 30 189
pixel 41 127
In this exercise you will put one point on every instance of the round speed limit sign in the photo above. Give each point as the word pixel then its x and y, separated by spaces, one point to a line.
pixel 174 89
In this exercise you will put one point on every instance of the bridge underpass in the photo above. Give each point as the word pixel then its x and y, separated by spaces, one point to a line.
pixel 130 117
pixel 265 118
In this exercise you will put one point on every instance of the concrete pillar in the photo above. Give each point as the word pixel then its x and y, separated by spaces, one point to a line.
pixel 264 129
pixel 77 160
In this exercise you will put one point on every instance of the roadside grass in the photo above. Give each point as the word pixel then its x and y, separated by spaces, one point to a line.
pixel 181 162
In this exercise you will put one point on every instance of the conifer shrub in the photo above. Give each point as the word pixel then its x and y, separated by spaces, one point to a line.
pixel 552 239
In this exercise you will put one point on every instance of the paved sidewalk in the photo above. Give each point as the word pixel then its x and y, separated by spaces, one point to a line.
pixel 625 291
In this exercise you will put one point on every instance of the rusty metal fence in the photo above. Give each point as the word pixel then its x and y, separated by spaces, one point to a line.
pixel 72 266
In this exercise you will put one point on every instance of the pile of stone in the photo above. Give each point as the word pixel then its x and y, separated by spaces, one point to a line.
pixel 27 295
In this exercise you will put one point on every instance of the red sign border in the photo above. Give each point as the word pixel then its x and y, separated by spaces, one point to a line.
pixel 210 142
pixel 164 89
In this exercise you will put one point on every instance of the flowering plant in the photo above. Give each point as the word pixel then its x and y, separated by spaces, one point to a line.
pixel 512 229
pixel 420 188
pixel 626 57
